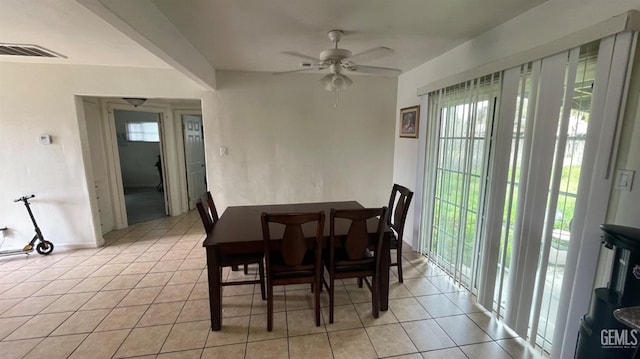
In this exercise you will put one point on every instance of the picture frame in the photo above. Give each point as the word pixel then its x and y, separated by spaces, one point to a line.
pixel 409 121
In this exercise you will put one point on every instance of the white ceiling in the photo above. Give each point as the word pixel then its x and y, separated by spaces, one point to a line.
pixel 68 28
pixel 251 35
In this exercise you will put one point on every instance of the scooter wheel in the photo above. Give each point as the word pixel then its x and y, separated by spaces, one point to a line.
pixel 44 248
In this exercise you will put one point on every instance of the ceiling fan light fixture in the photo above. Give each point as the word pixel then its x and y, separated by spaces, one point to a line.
pixel 341 82
pixel 327 82
pixel 135 101
pixel 337 81
pixel 338 60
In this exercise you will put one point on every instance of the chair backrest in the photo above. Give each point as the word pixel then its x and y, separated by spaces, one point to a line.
pixel 293 245
pixel 212 207
pixel 398 206
pixel 205 217
pixel 357 243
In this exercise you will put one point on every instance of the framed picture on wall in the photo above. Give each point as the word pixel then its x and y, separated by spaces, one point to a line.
pixel 409 120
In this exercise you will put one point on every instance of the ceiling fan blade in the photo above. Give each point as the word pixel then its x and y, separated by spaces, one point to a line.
pixel 373 70
pixel 290 71
pixel 302 56
pixel 371 54
pixel 314 68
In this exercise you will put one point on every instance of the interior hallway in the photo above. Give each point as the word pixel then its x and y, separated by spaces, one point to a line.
pixel 144 204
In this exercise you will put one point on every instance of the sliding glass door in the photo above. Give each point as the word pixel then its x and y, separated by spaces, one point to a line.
pixel 502 179
pixel 563 190
pixel 466 115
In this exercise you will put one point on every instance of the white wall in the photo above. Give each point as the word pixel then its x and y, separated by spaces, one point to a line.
pixel 624 207
pixel 541 25
pixel 137 159
pixel 39 99
pixel 287 143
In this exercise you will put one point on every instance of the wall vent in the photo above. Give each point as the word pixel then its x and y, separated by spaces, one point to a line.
pixel 27 50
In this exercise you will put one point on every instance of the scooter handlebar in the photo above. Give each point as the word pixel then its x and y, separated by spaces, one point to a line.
pixel 24 198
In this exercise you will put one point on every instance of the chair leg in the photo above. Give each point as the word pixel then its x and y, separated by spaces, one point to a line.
pixel 375 296
pixel 360 282
pixel 269 307
pixel 317 300
pixel 399 260
pixel 331 299
pixel 246 269
pixel 234 268
pixel 261 273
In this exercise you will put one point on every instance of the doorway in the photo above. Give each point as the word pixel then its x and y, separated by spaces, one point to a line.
pixel 139 139
pixel 118 200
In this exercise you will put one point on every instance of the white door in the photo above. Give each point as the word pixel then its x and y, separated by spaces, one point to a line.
pixel 194 157
pixel 96 147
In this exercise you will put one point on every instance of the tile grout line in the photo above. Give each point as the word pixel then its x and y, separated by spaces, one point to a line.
pixel 149 306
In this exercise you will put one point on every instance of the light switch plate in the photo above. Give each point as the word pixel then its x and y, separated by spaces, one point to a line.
pixel 624 180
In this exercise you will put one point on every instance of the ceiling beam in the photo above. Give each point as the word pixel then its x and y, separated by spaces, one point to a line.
pixel 145 24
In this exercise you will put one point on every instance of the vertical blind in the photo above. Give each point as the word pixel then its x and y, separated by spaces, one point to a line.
pixel 502 179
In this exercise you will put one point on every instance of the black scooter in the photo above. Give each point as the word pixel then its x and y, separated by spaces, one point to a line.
pixel 43 247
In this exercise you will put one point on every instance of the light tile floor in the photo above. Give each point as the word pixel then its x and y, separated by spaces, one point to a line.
pixel 145 295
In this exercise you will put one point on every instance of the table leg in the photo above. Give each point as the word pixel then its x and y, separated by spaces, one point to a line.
pixel 385 261
pixel 215 287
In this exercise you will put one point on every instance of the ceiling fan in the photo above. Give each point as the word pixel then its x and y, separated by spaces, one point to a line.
pixel 338 61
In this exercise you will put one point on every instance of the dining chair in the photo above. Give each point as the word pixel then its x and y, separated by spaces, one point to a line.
pixel 232 260
pixel 212 207
pixel 214 216
pixel 294 259
pixel 398 206
pixel 356 254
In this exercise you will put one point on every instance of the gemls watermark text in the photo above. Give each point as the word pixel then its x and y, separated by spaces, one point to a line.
pixel 619 338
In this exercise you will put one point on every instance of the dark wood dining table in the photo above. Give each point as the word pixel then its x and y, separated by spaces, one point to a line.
pixel 239 231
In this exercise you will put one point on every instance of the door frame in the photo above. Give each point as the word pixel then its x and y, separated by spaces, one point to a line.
pixel 98 211
pixel 113 157
pixel 182 153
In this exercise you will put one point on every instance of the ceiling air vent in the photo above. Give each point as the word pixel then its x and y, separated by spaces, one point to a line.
pixel 26 50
